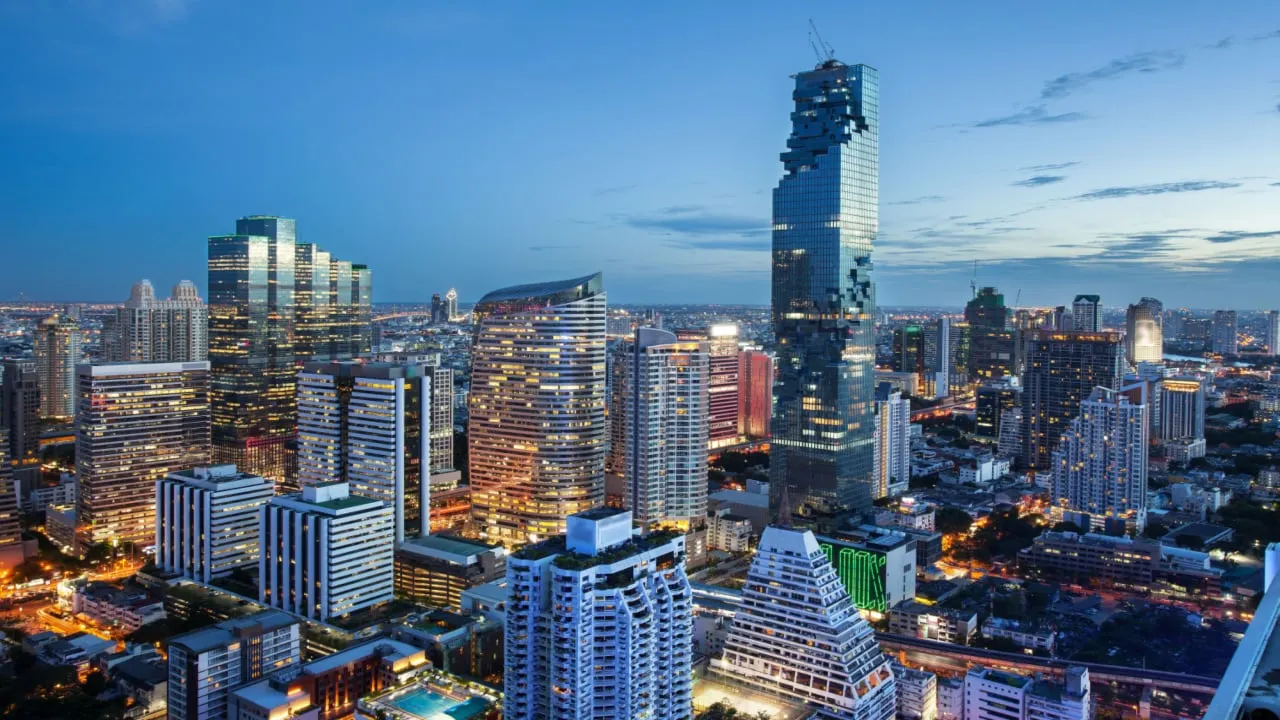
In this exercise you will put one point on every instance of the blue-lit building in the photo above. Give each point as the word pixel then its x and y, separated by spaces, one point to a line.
pixel 825 220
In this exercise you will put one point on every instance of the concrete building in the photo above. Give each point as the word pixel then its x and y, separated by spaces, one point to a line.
pixel 1128 562
pixel 992 400
pixel 877 570
pixel 1062 369
pixel 147 330
pixel 929 622
pixel 627 604
pixel 20 410
pixel 1100 466
pixel 1226 338
pixel 442 405
pixel 120 607
pixel 205 664
pixel 728 532
pixel 950 698
pixel 997 695
pixel 830 658
pixel 661 426
pixel 1144 336
pixel 328 688
pixel 60 526
pixel 1271 332
pixel 326 553
pixel 528 473
pixel 722 386
pixel 917 693
pixel 369 424
pixel 207 521
pixel 436 569
pixel 892 473
pixel 1086 314
pixel 755 394
pixel 1024 635
pixel 56 347
pixel 136 423
pixel 11 546
pixel 1185 450
pixel 908 514
pixel 1182 408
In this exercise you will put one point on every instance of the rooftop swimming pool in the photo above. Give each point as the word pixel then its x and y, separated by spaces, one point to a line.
pixel 431 705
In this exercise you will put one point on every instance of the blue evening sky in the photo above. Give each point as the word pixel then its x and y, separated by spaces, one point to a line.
pixel 1124 148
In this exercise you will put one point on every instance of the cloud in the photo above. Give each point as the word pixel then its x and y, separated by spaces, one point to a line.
pixel 1051 166
pixel 696 228
pixel 541 248
pixel 1146 62
pixel 1030 115
pixel 1157 189
pixel 1230 236
pixel 919 201
pixel 1040 181
pixel 1224 43
pixel 1275 184
pixel 614 190
pixel 1273 35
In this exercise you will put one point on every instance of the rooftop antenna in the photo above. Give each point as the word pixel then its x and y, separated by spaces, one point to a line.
pixel 973 283
pixel 826 49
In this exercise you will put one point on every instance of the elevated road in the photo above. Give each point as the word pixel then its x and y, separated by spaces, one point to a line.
pixel 953 654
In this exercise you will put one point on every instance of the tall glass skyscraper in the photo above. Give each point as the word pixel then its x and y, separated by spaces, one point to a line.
pixel 536 432
pixel 825 220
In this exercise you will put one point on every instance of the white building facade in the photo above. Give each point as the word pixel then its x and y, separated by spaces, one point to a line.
pixel 797 634
pixel 205 664
pixel 1100 467
pixel 893 442
pixel 599 624
pixel 207 521
pixel 326 553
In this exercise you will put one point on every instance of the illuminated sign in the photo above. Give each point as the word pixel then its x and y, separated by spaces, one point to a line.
pixel 862 572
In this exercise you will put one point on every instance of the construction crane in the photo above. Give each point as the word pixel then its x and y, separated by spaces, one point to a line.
pixel 828 52
pixel 973 282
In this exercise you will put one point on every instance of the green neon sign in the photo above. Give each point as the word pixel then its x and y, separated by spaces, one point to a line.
pixel 863 574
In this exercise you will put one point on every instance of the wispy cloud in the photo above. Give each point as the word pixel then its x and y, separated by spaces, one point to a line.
pixel 1157 189
pixel 1050 166
pixel 1040 181
pixel 1273 35
pixel 694 227
pixel 1030 115
pixel 613 190
pixel 1230 236
pixel 919 200
pixel 1275 184
pixel 1146 62
pixel 541 248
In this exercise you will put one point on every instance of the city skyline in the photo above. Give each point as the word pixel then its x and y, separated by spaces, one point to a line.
pixel 680 213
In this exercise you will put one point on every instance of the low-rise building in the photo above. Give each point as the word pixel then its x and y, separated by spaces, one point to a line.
pixel 456 644
pixel 1024 635
pixel 928 547
pixel 1130 562
pixel 877 567
pixel 929 622
pixel 917 693
pixel 489 600
pixel 950 698
pixel 985 469
pixel 436 569
pixel 908 514
pixel 1184 450
pixel 335 682
pixel 145 682
pixel 122 607
pixel 77 650
pixel 60 526
pixel 728 532
pixel 271 698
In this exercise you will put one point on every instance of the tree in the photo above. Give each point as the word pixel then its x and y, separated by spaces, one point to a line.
pixel 1191 542
pixel 1065 526
pixel 949 520
pixel 94 683
pixel 1155 531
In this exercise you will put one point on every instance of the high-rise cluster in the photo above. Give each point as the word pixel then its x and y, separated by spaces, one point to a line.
pixel 273 303
pixel 1062 369
pixel 825 219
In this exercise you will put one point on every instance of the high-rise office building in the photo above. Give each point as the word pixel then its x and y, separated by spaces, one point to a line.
pixel 625 602
pixel 991 344
pixel 136 423
pixel 755 393
pixel 908 351
pixel 57 352
pixel 1271 332
pixel 1182 408
pixel 1062 369
pixel 442 400
pixel 946 356
pixel 207 521
pixel 451 306
pixel 437 309
pixel 325 552
pixel 205 664
pixel 993 399
pixel 830 659
pixel 1086 313
pixel 722 348
pixel 825 219
pixel 20 410
pixel 273 303
pixel 369 424
pixel 893 442
pixel 146 329
pixel 662 420
pixel 11 552
pixel 1144 337
pixel 1100 465
pixel 536 436
pixel 1226 338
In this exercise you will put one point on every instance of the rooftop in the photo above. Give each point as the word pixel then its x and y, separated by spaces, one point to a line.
pixel 449 548
pixel 390 650
pixel 584 286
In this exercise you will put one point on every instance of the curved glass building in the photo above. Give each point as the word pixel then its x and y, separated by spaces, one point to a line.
pixel 536 434
pixel 825 220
